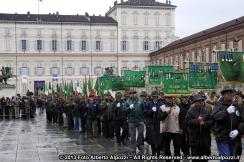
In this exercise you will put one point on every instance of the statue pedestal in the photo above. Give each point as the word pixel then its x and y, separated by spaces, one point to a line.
pixel 7 90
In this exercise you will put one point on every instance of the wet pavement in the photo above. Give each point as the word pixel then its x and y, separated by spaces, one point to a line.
pixel 37 141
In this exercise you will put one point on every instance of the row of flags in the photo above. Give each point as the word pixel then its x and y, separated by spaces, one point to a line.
pixel 69 88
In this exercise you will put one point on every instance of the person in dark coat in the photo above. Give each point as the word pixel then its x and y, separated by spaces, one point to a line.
pixel 199 124
pixel 68 106
pixel 92 109
pixel 76 111
pixel 119 119
pixel 49 109
pixel 107 116
pixel 229 125
pixel 144 99
pixel 83 114
pixel 184 107
pixel 152 113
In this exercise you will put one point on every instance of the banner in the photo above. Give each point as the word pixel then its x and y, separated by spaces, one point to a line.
pixel 231 65
pixel 117 83
pixel 155 73
pixel 103 83
pixel 203 75
pixel 134 78
pixel 176 84
pixel 203 80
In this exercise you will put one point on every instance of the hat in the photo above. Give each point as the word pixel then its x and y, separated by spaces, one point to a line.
pixel 91 95
pixel 107 93
pixel 227 89
pixel 203 95
pixel 154 93
pixel 118 93
pixel 143 93
pixel 132 92
pixel 197 98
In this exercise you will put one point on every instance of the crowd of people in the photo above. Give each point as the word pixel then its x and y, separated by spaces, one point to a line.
pixel 17 107
pixel 157 119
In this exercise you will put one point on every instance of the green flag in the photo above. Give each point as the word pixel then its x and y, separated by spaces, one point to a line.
pixel 203 75
pixel 176 84
pixel 156 73
pixel 46 90
pixel 58 90
pixel 53 92
pixel 84 87
pixel 71 87
pixel 90 84
pixel 134 78
pixel 61 90
pixel 65 87
pixel 231 65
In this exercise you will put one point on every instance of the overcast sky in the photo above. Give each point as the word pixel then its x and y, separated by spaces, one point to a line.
pixel 191 15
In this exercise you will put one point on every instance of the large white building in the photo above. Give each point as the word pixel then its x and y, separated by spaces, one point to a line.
pixel 54 47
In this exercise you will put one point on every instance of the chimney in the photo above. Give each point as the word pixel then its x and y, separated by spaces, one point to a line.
pixel 169 2
pixel 28 14
pixel 87 15
pixel 122 1
pixel 115 3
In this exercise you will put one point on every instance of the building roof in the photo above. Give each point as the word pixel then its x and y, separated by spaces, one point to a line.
pixel 200 35
pixel 102 19
pixel 141 3
pixel 144 3
pixel 57 18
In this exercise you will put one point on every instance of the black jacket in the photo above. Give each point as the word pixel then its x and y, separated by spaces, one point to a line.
pixel 92 110
pixel 76 111
pixel 225 122
pixel 119 113
pixel 184 107
pixel 199 135
pixel 152 121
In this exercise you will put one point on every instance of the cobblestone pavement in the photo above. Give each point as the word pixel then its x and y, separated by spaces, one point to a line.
pixel 36 141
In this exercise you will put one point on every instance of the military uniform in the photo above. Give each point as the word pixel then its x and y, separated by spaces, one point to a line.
pixel 199 129
pixel 153 114
pixel 106 118
pixel 119 120
pixel 229 125
pixel 134 109
pixel 92 110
